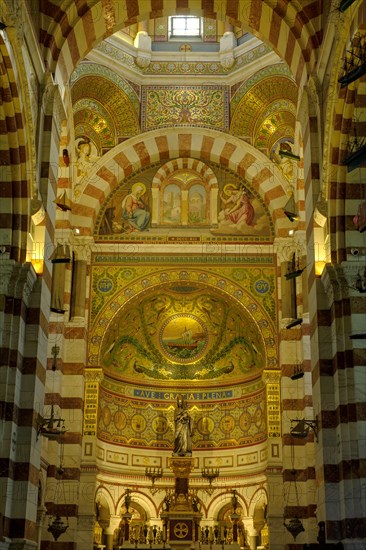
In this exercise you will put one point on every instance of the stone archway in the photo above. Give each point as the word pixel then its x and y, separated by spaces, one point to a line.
pixel 260 18
pixel 141 151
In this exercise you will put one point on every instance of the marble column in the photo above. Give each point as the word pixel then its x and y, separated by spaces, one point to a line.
pixel 251 535
pixel 78 289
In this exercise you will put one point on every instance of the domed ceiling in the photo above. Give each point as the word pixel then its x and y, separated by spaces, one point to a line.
pixel 105 106
pixel 183 337
pixel 183 332
pixel 264 109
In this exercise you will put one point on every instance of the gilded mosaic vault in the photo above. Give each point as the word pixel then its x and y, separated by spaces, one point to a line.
pixel 159 330
pixel 182 331
pixel 105 106
pixel 117 280
pixel 263 109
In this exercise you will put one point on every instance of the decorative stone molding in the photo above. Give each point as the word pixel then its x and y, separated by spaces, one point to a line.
pixel 339 281
pixel 93 377
pixel 142 61
pixel 227 60
pixel 17 280
pixel 272 379
pixel 285 248
pixel 346 275
pixel 15 19
pixel 330 284
pixel 271 376
pixel 335 46
pixel 321 211
pixel 48 92
pixel 82 247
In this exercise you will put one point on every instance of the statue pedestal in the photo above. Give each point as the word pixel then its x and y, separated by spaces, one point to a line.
pixel 181 466
pixel 182 527
pixel 181 521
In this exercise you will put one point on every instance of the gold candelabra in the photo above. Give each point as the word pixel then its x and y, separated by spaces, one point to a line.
pixel 210 474
pixel 153 473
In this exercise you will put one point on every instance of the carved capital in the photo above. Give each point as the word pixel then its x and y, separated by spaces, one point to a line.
pixel 82 247
pixel 181 466
pixel 17 280
pixel 271 376
pixel 340 281
pixel 93 374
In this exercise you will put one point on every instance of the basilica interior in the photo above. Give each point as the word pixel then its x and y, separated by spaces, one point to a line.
pixel 183 274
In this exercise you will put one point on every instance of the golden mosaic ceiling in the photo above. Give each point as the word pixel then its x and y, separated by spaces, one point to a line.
pixel 103 110
pixel 183 332
pixel 266 112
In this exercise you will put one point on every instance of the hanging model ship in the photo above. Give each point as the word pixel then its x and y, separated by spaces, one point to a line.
pixel 355 61
pixel 356 151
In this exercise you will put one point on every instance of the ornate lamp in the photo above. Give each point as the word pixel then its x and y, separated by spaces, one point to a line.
pixel 210 474
pixel 57 527
pixel 294 526
pixel 153 474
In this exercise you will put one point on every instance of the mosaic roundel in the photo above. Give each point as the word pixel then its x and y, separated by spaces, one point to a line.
pixel 106 415
pixel 205 425
pixel 120 420
pixel 183 338
pixel 160 425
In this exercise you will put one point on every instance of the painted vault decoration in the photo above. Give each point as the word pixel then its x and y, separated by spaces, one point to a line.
pixel 182 332
pixel 183 338
pixel 185 105
pixel 190 204
pixel 159 327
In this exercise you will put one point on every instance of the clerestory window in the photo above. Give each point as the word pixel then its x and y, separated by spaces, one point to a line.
pixel 185 27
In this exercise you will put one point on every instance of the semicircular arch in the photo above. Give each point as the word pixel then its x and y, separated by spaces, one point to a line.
pixel 141 151
pixel 141 502
pixel 217 282
pixel 103 495
pixel 297 49
pixel 222 501
pixel 258 500
pixel 170 167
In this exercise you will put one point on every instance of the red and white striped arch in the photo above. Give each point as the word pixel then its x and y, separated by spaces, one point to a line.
pixel 14 186
pixel 346 115
pixel 180 163
pixel 70 32
pixel 162 145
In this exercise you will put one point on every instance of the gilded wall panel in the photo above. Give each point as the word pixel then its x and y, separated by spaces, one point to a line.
pixel 144 424
pixel 203 106
pixel 177 324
